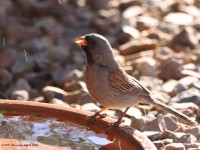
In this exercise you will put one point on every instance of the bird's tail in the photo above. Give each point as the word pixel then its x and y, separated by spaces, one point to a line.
pixel 183 118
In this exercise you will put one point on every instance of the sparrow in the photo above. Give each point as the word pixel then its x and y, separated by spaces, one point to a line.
pixel 110 85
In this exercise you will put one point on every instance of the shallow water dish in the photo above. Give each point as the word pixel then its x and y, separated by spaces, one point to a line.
pixel 125 138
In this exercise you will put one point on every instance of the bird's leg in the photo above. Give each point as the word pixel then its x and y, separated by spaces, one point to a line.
pixel 92 118
pixel 117 123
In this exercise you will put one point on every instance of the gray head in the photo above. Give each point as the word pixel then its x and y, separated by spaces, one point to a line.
pixel 97 49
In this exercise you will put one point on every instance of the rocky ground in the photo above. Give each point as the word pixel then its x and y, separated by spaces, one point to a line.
pixel 156 41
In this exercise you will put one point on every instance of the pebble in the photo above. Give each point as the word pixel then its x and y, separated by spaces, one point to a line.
pixel 168 134
pixel 5 78
pixel 139 122
pixel 179 18
pixel 50 92
pixel 190 95
pixel 169 87
pixel 188 138
pixel 147 66
pixel 152 135
pixel 58 102
pixel 128 33
pixel 97 5
pixel 169 69
pixel 184 40
pixel 146 22
pixel 132 12
pixel 90 107
pixel 170 123
pixel 161 143
pixel 21 95
pixel 6 58
pixel 194 131
pixel 175 146
pixel 137 46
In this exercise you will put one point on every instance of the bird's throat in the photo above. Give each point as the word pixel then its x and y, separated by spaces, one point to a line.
pixel 90 59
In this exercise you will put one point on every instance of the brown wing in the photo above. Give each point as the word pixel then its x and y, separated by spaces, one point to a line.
pixel 122 82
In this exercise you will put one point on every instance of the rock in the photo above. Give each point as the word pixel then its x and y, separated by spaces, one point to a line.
pixel 128 3
pixel 152 83
pixel 61 77
pixel 170 123
pixel 31 45
pixel 147 66
pixel 193 130
pixel 59 54
pixel 132 111
pixel 192 146
pixel 74 85
pixel 152 135
pixel 78 58
pixel 170 69
pixel 20 67
pixel 128 69
pixel 139 122
pixel 146 22
pixel 101 25
pixel 179 18
pixel 39 80
pixel 133 47
pixel 145 109
pixel 169 87
pixel 127 121
pixel 39 99
pixel 188 81
pixel 192 10
pixel 163 53
pixel 190 73
pixel 90 107
pixel 58 102
pixel 161 143
pixel 7 57
pixel 50 92
pixel 184 40
pixel 168 135
pixel 5 78
pixel 157 124
pixel 128 33
pixel 22 95
pixel 196 24
pixel 20 85
pixel 97 5
pixel 186 107
pixel 132 12
pixel 191 95
pixel 175 146
pixel 84 98
pixel 188 138
pixel 42 61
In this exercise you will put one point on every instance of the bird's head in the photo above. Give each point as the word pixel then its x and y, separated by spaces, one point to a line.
pixel 97 48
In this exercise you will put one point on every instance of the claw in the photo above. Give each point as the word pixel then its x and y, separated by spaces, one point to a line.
pixel 114 125
pixel 96 115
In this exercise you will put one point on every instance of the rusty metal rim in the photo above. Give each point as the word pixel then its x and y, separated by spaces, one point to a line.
pixel 129 138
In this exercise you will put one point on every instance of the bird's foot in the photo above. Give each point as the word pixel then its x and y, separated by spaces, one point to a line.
pixel 114 125
pixel 93 117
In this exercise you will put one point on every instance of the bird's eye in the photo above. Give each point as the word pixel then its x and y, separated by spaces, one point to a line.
pixel 90 40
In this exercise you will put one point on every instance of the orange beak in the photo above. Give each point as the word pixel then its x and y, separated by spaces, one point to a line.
pixel 81 41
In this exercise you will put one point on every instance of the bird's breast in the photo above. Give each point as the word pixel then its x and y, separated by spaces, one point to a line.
pixel 98 86
pixel 96 80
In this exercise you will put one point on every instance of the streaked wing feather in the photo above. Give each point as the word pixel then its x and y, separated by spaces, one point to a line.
pixel 122 82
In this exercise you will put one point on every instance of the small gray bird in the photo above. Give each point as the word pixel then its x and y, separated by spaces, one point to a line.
pixel 110 85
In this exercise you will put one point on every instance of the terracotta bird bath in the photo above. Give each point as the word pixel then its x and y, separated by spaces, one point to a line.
pixel 129 138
